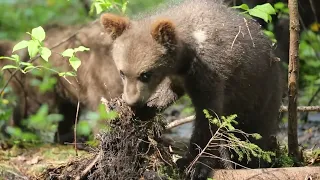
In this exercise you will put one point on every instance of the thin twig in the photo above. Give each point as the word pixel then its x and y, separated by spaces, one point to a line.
pixel 162 157
pixel 89 167
pixel 75 128
pixel 245 20
pixel 204 149
pixel 179 122
pixel 235 37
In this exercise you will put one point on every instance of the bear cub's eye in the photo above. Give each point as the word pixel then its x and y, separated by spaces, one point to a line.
pixel 121 74
pixel 145 77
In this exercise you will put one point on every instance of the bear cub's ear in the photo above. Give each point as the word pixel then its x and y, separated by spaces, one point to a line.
pixel 114 24
pixel 163 31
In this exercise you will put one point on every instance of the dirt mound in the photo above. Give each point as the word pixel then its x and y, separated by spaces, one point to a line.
pixel 131 149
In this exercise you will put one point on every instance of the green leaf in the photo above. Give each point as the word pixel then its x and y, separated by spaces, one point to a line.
pixel 93 116
pixel 260 14
pixel 75 63
pixel 279 5
pixel 14 131
pixel 67 74
pixel 270 35
pixel 45 53
pixel 83 128
pixel 124 7
pixel 256 136
pixel 20 45
pixel 38 33
pixel 242 6
pixel 81 48
pixel 33 48
pixel 16 57
pixel 9 58
pixel 26 64
pixel 267 8
pixel 112 115
pixel 68 53
pixel 98 8
pixel 54 118
pixel 9 67
pixel 29 67
pixel 43 110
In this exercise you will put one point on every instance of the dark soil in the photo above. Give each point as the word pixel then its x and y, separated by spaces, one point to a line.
pixel 131 149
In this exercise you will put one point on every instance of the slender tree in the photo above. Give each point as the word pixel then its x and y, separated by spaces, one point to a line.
pixel 293 76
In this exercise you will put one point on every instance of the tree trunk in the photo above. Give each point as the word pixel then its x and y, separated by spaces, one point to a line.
pixel 293 75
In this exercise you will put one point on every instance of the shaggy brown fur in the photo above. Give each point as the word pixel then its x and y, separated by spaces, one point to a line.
pixel 222 58
pixel 97 77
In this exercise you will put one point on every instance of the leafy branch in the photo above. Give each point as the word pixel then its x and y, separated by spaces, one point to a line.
pixel 224 137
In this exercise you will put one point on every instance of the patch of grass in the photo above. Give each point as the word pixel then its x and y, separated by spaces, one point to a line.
pixel 33 161
pixel 284 160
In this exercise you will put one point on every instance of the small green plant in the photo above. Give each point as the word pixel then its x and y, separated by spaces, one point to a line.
pixel 169 172
pixel 188 107
pixel 42 123
pixel 95 118
pixel 225 137
pixel 283 159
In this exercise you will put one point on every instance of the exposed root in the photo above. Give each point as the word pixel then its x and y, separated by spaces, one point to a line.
pixel 131 149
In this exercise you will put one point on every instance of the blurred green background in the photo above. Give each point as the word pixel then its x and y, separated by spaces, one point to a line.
pixel 20 16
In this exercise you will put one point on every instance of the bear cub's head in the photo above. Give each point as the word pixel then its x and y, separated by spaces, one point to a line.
pixel 144 53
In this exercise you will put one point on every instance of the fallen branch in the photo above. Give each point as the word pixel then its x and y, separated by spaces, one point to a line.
pixel 179 122
pixel 188 119
pixel 301 108
pixel 303 173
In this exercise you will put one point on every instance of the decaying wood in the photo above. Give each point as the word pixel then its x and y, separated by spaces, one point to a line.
pixel 292 173
pixel 293 75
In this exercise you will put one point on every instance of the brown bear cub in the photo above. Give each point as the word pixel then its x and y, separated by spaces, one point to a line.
pixel 223 60
pixel 97 77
